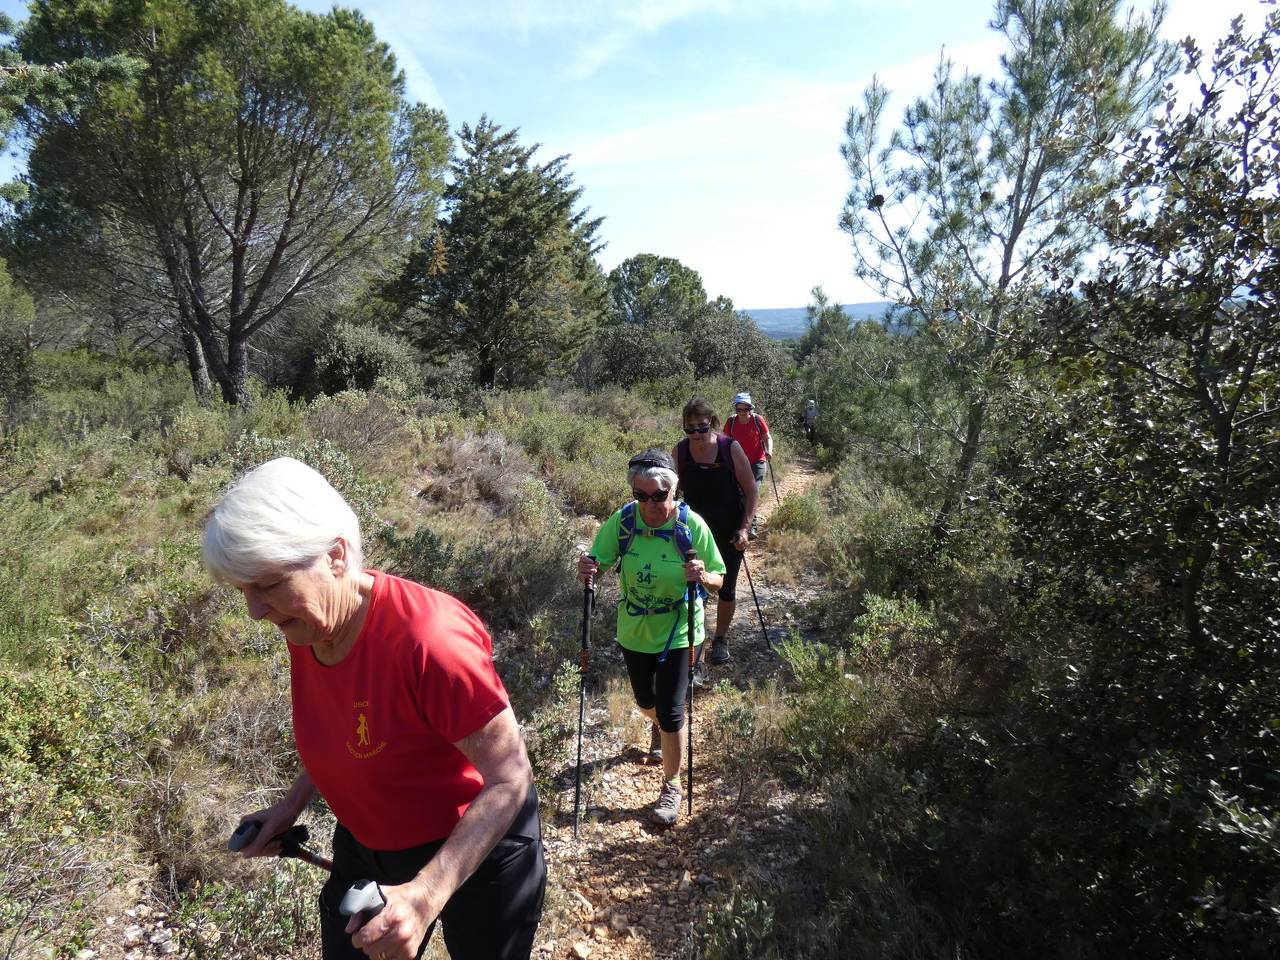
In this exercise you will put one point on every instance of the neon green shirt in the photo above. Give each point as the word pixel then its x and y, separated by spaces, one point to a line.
pixel 652 576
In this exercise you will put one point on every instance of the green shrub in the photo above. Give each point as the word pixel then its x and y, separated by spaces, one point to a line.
pixel 193 436
pixel 351 357
pixel 271 914
pixel 592 489
pixel 510 570
pixel 801 511
pixel 366 425
pixel 423 557
pixel 73 730
pixel 365 497
pixel 80 391
pixel 17 375
pixel 831 709
pixel 547 729
pixel 746 729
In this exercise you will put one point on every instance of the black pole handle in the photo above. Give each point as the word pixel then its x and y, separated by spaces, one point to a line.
pixel 291 840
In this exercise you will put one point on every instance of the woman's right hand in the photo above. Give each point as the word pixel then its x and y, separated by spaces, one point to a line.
pixel 272 821
pixel 588 567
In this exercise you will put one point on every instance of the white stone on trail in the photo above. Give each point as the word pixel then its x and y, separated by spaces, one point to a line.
pixel 586 904
pixel 582 950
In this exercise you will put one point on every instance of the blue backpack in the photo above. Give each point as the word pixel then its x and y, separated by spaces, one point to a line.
pixel 682 537
pixel 627 531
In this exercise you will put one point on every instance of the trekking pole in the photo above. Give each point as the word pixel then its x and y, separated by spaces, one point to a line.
pixel 768 465
pixel 291 843
pixel 693 659
pixel 363 897
pixel 584 657
pixel 763 632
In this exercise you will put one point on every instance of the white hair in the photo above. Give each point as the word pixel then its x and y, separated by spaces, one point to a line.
pixel 282 514
pixel 666 477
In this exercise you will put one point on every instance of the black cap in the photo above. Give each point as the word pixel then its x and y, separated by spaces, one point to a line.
pixel 653 457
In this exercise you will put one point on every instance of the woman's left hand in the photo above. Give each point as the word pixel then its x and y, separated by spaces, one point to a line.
pixel 739 540
pixel 395 932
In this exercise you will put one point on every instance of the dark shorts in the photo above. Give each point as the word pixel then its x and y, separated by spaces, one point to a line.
pixel 662 687
pixel 492 916
pixel 758 470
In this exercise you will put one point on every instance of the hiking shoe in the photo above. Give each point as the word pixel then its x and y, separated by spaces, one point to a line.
pixel 655 743
pixel 699 674
pixel 667 809
pixel 719 650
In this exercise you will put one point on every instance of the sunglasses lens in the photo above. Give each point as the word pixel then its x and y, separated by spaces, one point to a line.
pixel 641 497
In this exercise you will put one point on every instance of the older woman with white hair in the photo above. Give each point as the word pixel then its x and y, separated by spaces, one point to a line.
pixel 648 536
pixel 402 725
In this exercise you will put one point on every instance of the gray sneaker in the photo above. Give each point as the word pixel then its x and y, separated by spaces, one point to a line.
pixel 655 743
pixel 667 809
pixel 719 650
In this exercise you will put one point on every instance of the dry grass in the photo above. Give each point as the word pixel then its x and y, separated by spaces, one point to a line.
pixel 476 469
pixel 625 720
pixel 792 557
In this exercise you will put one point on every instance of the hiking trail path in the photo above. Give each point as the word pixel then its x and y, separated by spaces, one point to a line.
pixel 626 888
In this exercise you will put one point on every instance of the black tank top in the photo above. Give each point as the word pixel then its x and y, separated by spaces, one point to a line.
pixel 711 489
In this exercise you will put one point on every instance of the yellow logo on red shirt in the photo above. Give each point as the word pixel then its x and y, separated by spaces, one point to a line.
pixel 363 738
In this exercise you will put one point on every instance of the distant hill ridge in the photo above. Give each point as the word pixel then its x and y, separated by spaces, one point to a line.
pixel 787 323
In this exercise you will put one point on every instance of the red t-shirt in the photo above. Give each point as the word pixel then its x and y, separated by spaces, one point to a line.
pixel 750 435
pixel 376 731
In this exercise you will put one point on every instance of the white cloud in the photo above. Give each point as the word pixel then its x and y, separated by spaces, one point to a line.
pixel 419 84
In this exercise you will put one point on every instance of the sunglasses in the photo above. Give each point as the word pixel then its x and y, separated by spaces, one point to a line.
pixel 702 429
pixel 741 409
pixel 657 496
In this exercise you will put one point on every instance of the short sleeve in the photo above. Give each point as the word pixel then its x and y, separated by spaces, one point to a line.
pixel 460 690
pixel 705 544
pixel 605 546
pixel 764 424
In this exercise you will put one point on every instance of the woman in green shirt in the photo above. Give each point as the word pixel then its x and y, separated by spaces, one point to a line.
pixel 648 536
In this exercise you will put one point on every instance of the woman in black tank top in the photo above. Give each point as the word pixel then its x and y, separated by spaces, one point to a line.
pixel 717 483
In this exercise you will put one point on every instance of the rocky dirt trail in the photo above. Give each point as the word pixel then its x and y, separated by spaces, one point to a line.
pixel 629 889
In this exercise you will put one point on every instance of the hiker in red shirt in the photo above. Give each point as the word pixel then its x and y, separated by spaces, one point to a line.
pixel 751 431
pixel 402 725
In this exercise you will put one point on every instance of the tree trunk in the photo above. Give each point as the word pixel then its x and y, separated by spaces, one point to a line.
pixel 959 481
pixel 197 366
pixel 235 389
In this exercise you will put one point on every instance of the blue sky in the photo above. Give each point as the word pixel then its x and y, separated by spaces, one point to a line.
pixel 706 130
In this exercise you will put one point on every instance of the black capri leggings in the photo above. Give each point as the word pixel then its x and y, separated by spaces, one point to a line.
pixel 660 686
pixel 492 916
pixel 732 558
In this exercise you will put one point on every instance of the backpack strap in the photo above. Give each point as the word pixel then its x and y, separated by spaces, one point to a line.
pixel 724 450
pixel 684 536
pixel 626 531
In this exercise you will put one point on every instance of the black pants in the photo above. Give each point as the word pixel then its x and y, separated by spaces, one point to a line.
pixel 492 916
pixel 660 686
pixel 732 558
